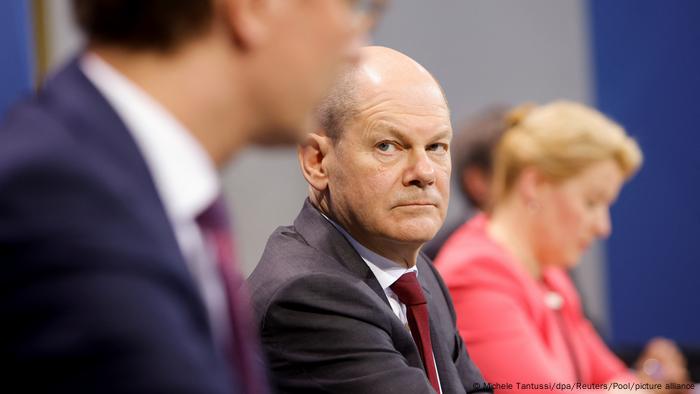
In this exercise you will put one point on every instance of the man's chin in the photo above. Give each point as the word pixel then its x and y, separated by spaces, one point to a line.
pixel 416 232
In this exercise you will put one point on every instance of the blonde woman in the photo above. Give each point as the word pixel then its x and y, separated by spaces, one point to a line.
pixel 557 170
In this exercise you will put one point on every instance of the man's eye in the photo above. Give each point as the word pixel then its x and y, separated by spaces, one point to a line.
pixel 440 148
pixel 386 147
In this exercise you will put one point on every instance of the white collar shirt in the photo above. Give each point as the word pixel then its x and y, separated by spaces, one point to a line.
pixel 185 177
pixel 387 272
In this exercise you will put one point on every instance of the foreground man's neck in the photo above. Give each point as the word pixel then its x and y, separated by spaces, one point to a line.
pixel 195 98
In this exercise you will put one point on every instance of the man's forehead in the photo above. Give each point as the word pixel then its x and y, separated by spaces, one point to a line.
pixel 409 130
pixel 422 104
pixel 424 99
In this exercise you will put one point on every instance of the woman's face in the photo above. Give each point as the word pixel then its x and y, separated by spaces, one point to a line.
pixel 574 213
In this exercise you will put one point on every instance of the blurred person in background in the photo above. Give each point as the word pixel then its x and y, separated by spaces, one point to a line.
pixel 557 170
pixel 472 164
pixel 117 267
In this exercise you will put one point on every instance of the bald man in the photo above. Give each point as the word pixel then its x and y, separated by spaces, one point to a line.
pixel 344 300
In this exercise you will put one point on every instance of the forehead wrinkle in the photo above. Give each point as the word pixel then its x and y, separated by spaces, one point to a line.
pixel 403 133
pixel 381 108
pixel 381 126
pixel 388 105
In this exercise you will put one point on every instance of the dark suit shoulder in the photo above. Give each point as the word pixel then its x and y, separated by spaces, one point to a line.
pixel 30 133
pixel 292 270
pixel 288 254
pixel 95 291
pixel 54 189
pixel 318 319
pixel 67 204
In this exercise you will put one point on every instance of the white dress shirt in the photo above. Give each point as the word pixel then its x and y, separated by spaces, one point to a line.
pixel 387 272
pixel 184 175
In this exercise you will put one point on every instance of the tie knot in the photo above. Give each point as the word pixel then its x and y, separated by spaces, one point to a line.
pixel 214 217
pixel 408 289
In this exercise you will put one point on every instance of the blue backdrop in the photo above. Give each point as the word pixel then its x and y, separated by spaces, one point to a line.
pixel 16 64
pixel 647 73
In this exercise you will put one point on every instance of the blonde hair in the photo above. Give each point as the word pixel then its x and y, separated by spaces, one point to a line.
pixel 559 139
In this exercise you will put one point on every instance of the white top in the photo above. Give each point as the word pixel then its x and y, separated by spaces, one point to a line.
pixel 185 176
pixel 387 272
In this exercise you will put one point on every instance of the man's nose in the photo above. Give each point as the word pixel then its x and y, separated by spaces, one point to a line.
pixel 421 171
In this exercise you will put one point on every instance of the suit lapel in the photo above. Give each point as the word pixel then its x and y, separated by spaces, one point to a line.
pixel 441 346
pixel 68 94
pixel 423 271
pixel 321 235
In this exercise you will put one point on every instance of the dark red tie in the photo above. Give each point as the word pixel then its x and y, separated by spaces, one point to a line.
pixel 408 289
pixel 245 352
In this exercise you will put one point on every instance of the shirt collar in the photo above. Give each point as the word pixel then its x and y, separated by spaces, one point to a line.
pixel 184 174
pixel 386 271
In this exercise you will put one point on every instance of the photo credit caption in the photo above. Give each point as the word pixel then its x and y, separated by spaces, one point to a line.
pixel 573 387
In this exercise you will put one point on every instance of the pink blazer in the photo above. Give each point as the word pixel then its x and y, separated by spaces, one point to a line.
pixel 511 332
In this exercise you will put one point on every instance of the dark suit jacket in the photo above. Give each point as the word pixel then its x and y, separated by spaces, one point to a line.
pixel 96 297
pixel 327 326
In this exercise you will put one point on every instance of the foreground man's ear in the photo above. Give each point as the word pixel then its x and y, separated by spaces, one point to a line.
pixel 313 159
pixel 248 21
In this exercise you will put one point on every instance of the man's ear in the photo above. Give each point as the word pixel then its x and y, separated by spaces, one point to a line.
pixel 248 21
pixel 314 154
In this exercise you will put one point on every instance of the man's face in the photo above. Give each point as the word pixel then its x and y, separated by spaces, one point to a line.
pixel 389 171
pixel 313 40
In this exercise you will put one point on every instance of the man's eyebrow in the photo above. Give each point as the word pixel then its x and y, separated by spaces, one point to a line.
pixel 385 128
pixel 400 134
pixel 445 133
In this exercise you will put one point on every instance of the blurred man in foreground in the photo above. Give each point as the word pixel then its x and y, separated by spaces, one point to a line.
pixel 117 266
pixel 345 301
